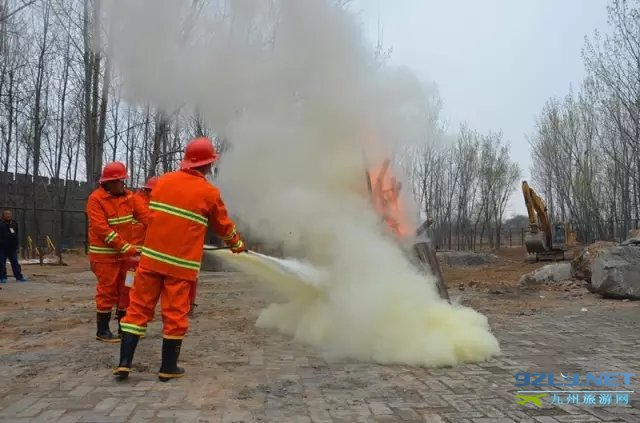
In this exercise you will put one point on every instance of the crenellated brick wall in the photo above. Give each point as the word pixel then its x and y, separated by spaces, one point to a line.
pixel 63 221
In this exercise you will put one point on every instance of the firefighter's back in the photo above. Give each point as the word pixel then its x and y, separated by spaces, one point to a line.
pixel 180 206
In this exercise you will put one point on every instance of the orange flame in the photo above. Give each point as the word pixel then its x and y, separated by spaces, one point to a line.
pixel 385 194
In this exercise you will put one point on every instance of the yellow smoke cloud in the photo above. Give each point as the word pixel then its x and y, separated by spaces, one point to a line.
pixel 293 86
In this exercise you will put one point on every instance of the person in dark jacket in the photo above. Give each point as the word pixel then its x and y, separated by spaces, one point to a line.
pixel 9 247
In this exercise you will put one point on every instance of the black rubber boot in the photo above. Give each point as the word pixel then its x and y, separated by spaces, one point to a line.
pixel 127 349
pixel 170 353
pixel 120 313
pixel 104 333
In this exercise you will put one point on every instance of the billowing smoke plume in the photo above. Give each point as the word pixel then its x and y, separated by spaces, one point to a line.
pixel 293 86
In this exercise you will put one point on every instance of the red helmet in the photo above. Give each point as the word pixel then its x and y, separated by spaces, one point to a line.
pixel 114 171
pixel 151 182
pixel 199 152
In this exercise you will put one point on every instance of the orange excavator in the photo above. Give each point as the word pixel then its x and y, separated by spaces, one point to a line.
pixel 384 191
pixel 546 240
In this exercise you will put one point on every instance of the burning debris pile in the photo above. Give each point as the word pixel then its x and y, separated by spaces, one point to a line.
pixel 297 95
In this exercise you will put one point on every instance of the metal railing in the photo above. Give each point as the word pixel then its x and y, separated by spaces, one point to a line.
pixel 49 231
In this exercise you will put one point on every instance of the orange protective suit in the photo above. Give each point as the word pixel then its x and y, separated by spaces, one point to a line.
pixel 183 205
pixel 110 220
pixel 148 287
pixel 110 289
pixel 138 230
pixel 192 292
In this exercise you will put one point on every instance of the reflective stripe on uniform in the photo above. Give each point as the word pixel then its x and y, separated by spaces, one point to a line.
pixel 110 237
pixel 102 250
pixel 134 329
pixel 125 247
pixel 119 220
pixel 176 211
pixel 166 258
pixel 231 234
pixel 172 337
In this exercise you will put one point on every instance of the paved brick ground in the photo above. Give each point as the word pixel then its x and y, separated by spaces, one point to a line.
pixel 51 369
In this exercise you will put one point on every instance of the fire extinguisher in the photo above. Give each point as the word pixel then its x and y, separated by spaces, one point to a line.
pixel 132 265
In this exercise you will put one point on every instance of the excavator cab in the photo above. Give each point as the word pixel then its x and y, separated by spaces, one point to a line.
pixel 559 235
pixel 564 236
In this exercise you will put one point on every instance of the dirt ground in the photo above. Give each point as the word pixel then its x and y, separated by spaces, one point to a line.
pixel 509 266
pixel 52 369
pixel 61 298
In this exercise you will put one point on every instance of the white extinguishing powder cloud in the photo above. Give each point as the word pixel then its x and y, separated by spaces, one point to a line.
pixel 292 85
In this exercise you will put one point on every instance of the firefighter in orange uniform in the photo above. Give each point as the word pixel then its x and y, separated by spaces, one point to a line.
pixel 142 196
pixel 110 211
pixel 137 239
pixel 183 205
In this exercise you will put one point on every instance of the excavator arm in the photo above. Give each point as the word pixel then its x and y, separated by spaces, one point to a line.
pixel 540 237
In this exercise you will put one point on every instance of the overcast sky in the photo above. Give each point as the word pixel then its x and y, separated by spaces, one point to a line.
pixel 495 62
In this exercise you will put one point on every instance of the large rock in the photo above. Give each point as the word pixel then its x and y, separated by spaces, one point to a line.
pixel 556 272
pixel 632 241
pixel 581 264
pixel 615 273
pixel 464 258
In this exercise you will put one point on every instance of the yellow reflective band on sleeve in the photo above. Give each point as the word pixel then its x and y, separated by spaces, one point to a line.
pixel 166 258
pixel 120 220
pixel 101 250
pixel 125 247
pixel 110 237
pixel 177 211
pixel 231 234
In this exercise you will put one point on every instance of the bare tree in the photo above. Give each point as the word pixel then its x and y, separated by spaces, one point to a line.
pixel 96 90
pixel 5 13
pixel 463 187
pixel 587 146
